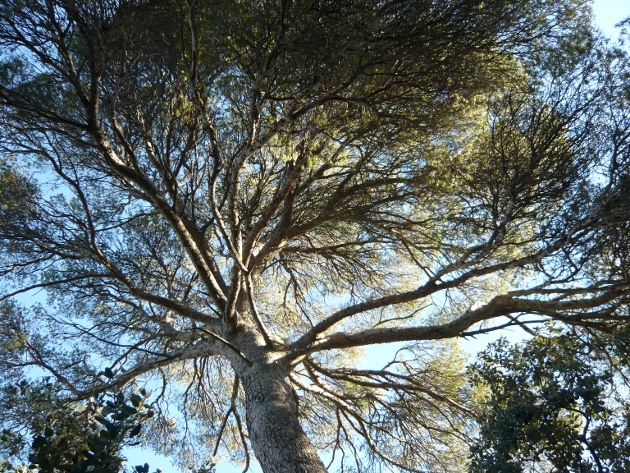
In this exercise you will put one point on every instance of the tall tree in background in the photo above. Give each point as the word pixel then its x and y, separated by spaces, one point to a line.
pixel 227 200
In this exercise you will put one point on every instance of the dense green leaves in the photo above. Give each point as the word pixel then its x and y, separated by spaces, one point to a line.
pixel 553 404
pixel 65 436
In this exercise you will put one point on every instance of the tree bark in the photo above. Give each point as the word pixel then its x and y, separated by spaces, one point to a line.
pixel 277 438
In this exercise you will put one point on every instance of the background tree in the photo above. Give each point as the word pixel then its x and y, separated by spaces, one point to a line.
pixel 65 436
pixel 230 200
pixel 554 405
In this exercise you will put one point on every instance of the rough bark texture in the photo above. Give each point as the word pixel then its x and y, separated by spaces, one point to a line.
pixel 279 441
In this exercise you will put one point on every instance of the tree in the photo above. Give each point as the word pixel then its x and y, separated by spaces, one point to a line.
pixel 553 404
pixel 228 201
pixel 69 437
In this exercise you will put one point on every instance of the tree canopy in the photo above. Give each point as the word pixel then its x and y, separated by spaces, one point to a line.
pixel 68 436
pixel 554 405
pixel 228 201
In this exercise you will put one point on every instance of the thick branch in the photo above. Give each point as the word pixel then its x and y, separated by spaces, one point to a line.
pixel 497 307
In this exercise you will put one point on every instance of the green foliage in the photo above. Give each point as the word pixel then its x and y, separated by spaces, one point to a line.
pixel 16 192
pixel 552 405
pixel 69 437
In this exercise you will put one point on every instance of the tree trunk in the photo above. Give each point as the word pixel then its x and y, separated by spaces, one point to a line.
pixel 278 440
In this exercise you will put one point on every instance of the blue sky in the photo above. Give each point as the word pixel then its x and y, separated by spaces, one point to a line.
pixel 607 14
pixel 610 12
